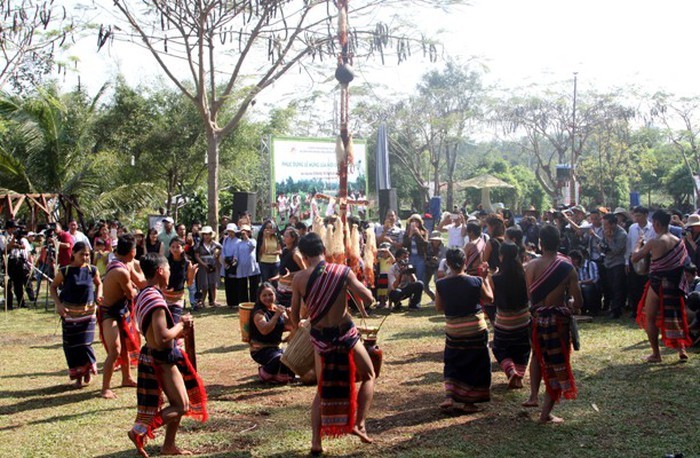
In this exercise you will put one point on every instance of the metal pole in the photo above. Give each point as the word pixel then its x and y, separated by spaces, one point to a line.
pixel 572 191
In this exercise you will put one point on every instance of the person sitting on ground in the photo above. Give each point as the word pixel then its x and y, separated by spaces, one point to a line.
pixel 268 321
pixel 511 329
pixel 663 293
pixel 588 280
pixel 467 368
pixel 403 283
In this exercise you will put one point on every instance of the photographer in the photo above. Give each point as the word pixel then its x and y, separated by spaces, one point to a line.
pixel 613 247
pixel 691 237
pixel 65 245
pixel 403 282
pixel 17 249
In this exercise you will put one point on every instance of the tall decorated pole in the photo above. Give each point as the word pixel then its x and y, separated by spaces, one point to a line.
pixel 344 75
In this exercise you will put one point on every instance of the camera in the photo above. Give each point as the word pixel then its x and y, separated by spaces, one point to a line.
pixel 406 267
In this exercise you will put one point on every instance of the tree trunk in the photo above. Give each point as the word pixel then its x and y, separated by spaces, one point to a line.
pixel 213 179
pixel 436 179
pixel 450 197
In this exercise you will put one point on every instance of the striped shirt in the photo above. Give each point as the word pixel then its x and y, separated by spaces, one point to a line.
pixel 149 299
pixel 588 271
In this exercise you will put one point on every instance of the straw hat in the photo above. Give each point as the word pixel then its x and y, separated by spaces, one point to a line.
pixel 206 230
pixel 416 216
pixel 245 227
pixel 435 236
pixel 621 211
pixel 693 220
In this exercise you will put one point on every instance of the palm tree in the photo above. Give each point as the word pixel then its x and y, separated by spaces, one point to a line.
pixel 48 146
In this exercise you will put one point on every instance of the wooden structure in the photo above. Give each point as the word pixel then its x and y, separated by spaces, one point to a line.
pixel 40 207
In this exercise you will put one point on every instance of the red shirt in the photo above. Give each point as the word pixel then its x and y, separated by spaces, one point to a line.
pixel 64 253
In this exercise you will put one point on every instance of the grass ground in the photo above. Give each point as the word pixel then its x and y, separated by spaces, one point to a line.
pixel 625 408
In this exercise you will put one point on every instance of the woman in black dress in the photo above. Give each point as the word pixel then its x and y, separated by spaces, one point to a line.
pixel 467 362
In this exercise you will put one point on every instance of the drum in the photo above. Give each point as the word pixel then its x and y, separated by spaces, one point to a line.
pixel 299 354
pixel 244 311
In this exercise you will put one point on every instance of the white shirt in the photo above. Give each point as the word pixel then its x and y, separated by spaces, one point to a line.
pixel 454 236
pixel 633 236
pixel 24 252
pixel 80 237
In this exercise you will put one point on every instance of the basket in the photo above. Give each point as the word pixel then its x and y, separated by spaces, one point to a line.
pixel 244 311
pixel 299 354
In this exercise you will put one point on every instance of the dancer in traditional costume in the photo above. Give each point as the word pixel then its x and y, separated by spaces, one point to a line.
pixel 117 329
pixel 337 409
pixel 181 271
pixel 163 367
pixel 268 322
pixel 551 280
pixel 662 306
pixel 81 288
pixel 511 330
pixel 467 362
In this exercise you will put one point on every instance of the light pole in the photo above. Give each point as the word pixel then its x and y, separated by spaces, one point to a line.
pixel 572 190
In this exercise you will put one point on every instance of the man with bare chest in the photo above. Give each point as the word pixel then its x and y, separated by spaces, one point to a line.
pixel 117 328
pixel 662 306
pixel 551 280
pixel 324 287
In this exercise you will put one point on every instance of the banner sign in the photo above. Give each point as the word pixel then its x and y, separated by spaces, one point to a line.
pixel 304 167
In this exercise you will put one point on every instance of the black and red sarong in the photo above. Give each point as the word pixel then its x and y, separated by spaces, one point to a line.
pixel 336 385
pixel 551 332
pixel 666 280
pixel 150 373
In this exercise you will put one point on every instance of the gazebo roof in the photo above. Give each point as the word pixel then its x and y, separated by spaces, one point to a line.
pixel 482 181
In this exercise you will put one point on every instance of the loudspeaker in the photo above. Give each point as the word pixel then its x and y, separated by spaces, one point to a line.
pixel 387 201
pixel 244 201
pixel 563 172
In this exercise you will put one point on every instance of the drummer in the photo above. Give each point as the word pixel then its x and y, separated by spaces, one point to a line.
pixel 267 323
pixel 291 262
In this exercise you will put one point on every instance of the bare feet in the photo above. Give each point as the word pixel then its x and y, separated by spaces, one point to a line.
pixel 448 404
pixel 138 444
pixel 174 451
pixel 683 356
pixel 129 383
pixel 78 384
pixel 87 378
pixel 362 434
pixel 531 403
pixel 515 382
pixel 470 408
pixel 550 419
pixel 652 359
pixel 108 394
pixel 316 452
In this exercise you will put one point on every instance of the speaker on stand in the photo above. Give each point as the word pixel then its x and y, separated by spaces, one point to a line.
pixel 242 202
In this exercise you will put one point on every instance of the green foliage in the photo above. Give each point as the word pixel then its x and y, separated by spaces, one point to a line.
pixel 679 184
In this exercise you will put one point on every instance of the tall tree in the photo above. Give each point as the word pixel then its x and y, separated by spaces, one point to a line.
pixel 245 46
pixel 30 33
pixel 680 118
pixel 452 105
